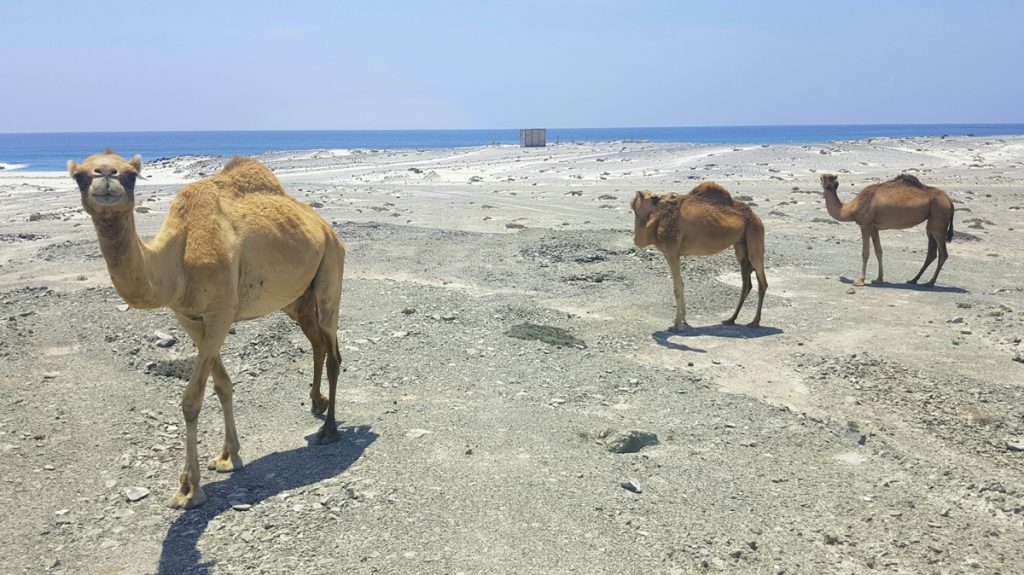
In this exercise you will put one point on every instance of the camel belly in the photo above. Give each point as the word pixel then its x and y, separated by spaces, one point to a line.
pixel 275 276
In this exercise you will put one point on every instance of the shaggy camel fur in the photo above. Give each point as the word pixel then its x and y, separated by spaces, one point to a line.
pixel 902 202
pixel 234 246
pixel 703 222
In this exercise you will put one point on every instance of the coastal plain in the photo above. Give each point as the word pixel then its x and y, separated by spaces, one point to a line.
pixel 500 334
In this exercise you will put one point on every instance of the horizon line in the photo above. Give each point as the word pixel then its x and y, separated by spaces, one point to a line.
pixel 711 126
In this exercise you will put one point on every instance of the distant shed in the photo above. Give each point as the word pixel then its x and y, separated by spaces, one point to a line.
pixel 533 137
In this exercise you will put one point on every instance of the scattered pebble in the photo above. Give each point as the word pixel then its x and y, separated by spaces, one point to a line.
pixel 134 494
pixel 631 485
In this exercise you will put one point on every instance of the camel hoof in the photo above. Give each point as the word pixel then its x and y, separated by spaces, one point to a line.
pixel 223 464
pixel 679 327
pixel 754 324
pixel 189 500
pixel 877 281
pixel 328 433
pixel 730 321
pixel 858 282
pixel 912 282
pixel 930 284
pixel 319 406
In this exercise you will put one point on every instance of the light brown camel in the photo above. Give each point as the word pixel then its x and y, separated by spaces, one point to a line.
pixel 234 246
pixel 900 203
pixel 703 222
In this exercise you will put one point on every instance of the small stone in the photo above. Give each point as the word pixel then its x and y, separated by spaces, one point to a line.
pixel 965 330
pixel 736 553
pixel 51 375
pixel 958 319
pixel 448 317
pixel 631 485
pixel 409 310
pixel 241 506
pixel 1017 446
pixel 400 334
pixel 851 291
pixel 136 493
pixel 416 433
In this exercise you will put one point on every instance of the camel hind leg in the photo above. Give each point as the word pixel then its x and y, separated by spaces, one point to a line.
pixel 745 270
pixel 327 294
pixel 932 247
pixel 304 312
pixel 755 253
pixel 938 237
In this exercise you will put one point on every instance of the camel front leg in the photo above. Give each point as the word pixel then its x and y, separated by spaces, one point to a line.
pixel 208 334
pixel 677 290
pixel 878 255
pixel 228 460
pixel 190 494
pixel 865 240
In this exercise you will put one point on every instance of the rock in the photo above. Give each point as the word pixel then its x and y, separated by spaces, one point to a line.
pixel 851 291
pixel 409 311
pixel 136 493
pixel 123 307
pixel 631 485
pixel 736 553
pixel 416 433
pixel 51 375
pixel 514 226
pixel 1017 446
pixel 165 340
pixel 630 441
pixel 241 506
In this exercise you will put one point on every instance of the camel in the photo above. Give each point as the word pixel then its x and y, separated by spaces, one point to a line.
pixel 234 246
pixel 703 222
pixel 900 203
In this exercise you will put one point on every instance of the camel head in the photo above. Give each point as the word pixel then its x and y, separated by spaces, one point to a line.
pixel 644 205
pixel 107 182
pixel 830 182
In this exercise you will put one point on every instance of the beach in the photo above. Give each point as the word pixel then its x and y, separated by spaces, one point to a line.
pixel 499 329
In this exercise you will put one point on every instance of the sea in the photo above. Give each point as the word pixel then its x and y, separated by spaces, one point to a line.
pixel 51 151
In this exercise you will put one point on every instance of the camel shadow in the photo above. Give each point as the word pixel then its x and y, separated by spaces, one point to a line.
pixel 255 482
pixel 663 337
pixel 906 286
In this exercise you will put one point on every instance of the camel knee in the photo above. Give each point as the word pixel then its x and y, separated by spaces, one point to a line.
pixel 191 413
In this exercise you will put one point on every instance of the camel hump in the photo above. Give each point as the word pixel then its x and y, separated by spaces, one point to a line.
pixel 908 180
pixel 248 176
pixel 712 193
pixel 239 162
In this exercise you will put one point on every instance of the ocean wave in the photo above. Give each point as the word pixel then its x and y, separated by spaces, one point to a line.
pixel 12 167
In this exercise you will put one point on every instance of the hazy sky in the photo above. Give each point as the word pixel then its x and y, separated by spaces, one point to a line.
pixel 113 66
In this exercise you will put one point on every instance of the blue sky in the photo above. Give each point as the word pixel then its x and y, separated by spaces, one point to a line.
pixel 113 66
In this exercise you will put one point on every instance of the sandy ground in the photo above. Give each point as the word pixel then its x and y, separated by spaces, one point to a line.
pixel 860 430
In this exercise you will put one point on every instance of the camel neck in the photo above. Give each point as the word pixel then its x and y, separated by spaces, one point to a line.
pixel 835 207
pixel 131 263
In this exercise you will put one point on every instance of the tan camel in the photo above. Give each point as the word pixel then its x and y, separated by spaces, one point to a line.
pixel 234 246
pixel 703 222
pixel 900 203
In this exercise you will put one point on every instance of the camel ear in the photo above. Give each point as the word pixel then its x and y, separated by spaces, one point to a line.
pixel 72 166
pixel 137 163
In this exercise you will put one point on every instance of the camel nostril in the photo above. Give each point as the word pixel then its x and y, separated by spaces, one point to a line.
pixel 113 172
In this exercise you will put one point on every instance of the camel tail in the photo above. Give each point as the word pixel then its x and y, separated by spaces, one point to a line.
pixel 949 232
